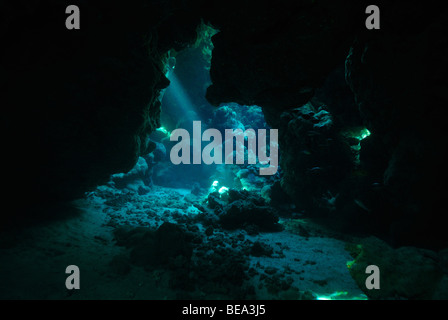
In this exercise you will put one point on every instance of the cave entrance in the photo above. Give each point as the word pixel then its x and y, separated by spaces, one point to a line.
pixel 184 102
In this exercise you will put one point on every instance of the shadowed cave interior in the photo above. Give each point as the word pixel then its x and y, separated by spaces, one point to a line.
pixel 88 120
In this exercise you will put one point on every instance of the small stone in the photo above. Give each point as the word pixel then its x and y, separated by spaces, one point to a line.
pixel 270 270
pixel 261 249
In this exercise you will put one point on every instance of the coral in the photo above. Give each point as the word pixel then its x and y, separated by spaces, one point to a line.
pixel 244 209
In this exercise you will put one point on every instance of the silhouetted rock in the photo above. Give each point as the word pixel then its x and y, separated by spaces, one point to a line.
pixel 406 272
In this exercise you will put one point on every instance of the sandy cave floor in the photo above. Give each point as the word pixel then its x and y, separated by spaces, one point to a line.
pixel 33 262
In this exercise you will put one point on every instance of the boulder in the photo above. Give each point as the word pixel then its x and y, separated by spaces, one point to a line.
pixel 405 272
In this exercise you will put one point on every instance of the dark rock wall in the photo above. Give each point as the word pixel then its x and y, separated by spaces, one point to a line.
pixel 397 79
pixel 80 103
pixel 284 57
pixel 279 53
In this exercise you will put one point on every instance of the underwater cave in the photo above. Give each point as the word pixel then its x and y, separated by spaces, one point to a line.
pixel 192 150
